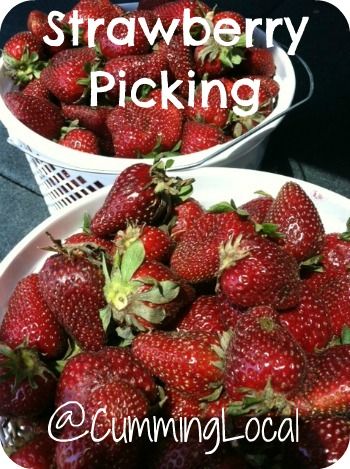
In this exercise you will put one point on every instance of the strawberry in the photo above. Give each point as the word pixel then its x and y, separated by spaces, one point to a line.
pixel 38 453
pixel 156 242
pixel 308 322
pixel 38 24
pixel 186 215
pixel 38 114
pixel 88 369
pixel 323 441
pixel 268 84
pixel 152 194
pixel 336 253
pixel 141 46
pixel 213 113
pixel 68 74
pixel 37 88
pixel 180 61
pixel 89 244
pixel 81 140
pixel 207 64
pixel 197 137
pixel 260 352
pixel 23 54
pixel 189 362
pixel 73 289
pixel 135 67
pixel 258 272
pixel 94 119
pixel 28 319
pixel 142 294
pixel 335 295
pixel 297 218
pixel 119 400
pixel 326 387
pixel 91 9
pixel 232 15
pixel 259 62
pixel 197 258
pixel 210 313
pixel 258 208
pixel 26 387
pixel 175 10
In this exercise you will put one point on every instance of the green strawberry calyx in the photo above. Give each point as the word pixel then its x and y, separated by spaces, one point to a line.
pixel 231 252
pixel 26 69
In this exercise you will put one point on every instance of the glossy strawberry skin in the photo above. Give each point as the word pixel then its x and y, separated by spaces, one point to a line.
pixel 336 253
pixel 261 350
pixel 258 208
pixel 29 318
pixel 38 24
pixel 297 218
pixel 173 10
pixel 259 62
pixel 197 137
pixel 83 241
pixel 308 322
pixel 81 140
pixel 38 89
pixel 38 453
pixel 64 72
pixel 73 290
pixel 335 295
pixel 21 42
pixel 233 15
pixel 182 360
pixel 38 114
pixel 186 215
pixel 210 313
pixel 267 275
pixel 196 257
pixel 119 208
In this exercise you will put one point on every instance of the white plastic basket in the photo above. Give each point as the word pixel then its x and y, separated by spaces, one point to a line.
pixel 64 175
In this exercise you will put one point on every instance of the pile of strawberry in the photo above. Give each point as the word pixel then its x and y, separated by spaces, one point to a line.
pixel 53 97
pixel 160 307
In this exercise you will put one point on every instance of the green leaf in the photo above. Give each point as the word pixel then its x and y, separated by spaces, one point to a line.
pixel 86 223
pixel 152 315
pixel 222 207
pixel 345 335
pixel 132 260
pixel 105 316
pixel 162 293
pixel 263 193
pixel 268 229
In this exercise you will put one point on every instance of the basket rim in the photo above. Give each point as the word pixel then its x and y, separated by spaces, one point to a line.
pixel 58 155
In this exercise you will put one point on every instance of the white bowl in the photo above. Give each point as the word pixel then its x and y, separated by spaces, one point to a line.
pixel 211 185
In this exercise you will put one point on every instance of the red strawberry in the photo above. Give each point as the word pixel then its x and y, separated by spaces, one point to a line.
pixel 210 314
pixel 260 352
pixel 26 387
pixel 89 244
pixel 197 137
pixel 135 67
pixel 68 73
pixel 268 84
pixel 91 9
pixel 81 140
pixel 38 114
pixel 156 242
pixel 335 296
pixel 141 194
pixel 73 289
pixel 38 24
pixel 120 401
pixel 23 54
pixel 207 64
pixel 189 362
pixel 141 44
pixel 233 15
pixel 29 319
pixel 258 272
pixel 37 88
pixel 37 454
pixel 297 218
pixel 94 119
pixel 142 294
pixel 258 208
pixel 323 441
pixel 326 390
pixel 213 113
pixel 186 215
pixel 88 369
pixel 180 61
pixel 197 258
pixel 308 323
pixel 259 62
pixel 173 10
pixel 336 253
